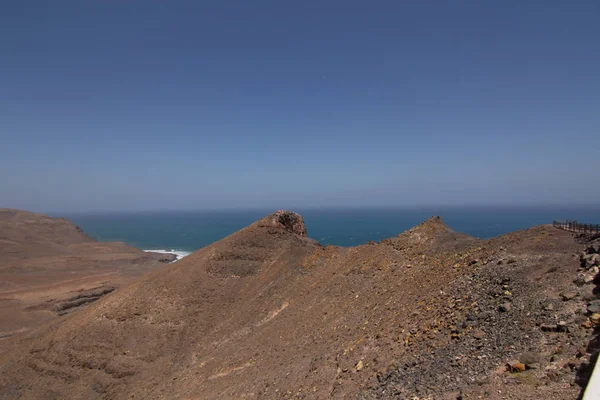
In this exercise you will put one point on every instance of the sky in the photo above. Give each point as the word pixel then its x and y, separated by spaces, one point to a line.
pixel 156 105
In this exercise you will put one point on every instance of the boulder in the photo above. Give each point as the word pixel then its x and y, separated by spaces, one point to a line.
pixel 587 293
pixel 515 366
pixel 594 248
pixel 586 324
pixel 569 295
pixel 593 307
pixel 290 221
pixel 590 260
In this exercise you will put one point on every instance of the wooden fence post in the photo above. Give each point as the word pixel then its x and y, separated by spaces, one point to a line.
pixel 574 226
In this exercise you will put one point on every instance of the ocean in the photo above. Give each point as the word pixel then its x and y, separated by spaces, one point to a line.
pixel 183 232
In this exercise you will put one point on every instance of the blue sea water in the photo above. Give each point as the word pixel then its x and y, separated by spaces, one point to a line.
pixel 187 231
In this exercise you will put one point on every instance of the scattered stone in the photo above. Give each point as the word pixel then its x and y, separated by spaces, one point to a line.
pixel 566 296
pixel 479 334
pixel 592 260
pixel 574 364
pixel 579 280
pixel 587 324
pixel 593 307
pixel 587 294
pixel 595 319
pixel 561 326
pixel 516 366
pixel 553 375
pixel 588 278
pixel 548 328
pixel 359 366
pixel 508 332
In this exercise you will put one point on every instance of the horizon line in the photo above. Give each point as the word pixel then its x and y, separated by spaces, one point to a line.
pixel 323 208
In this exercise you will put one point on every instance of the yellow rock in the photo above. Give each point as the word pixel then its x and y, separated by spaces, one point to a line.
pixel 516 366
pixel 359 366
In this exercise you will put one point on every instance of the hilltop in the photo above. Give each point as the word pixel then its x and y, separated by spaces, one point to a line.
pixel 48 267
pixel 269 313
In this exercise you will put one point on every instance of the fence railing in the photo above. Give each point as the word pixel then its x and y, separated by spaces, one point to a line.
pixel 574 226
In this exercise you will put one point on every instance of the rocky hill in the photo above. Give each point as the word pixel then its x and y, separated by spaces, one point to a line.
pixel 50 267
pixel 269 313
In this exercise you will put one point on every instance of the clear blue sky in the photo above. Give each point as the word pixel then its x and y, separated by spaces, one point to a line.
pixel 121 105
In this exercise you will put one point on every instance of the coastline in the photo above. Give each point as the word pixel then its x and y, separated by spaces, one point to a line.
pixel 178 253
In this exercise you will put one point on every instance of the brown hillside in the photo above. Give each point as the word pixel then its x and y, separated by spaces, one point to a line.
pixel 49 266
pixel 269 313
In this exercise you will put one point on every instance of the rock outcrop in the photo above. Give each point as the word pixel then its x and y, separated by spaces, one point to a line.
pixel 289 220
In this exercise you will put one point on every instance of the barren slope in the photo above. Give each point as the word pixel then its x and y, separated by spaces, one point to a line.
pixel 49 266
pixel 269 313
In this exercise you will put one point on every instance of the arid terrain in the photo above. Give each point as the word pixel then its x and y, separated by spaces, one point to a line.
pixel 49 267
pixel 269 313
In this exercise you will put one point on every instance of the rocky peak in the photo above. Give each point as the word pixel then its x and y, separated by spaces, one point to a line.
pixel 431 225
pixel 435 219
pixel 290 221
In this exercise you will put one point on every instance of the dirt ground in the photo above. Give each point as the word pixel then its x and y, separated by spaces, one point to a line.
pixel 49 267
pixel 269 313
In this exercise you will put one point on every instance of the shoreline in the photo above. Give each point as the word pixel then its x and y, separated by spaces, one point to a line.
pixel 179 254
